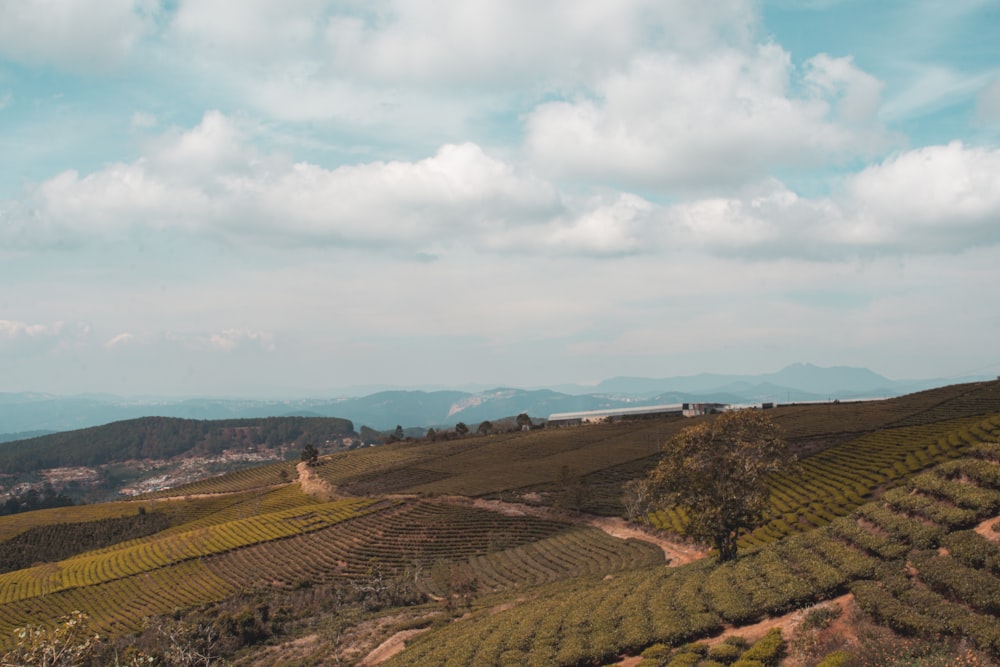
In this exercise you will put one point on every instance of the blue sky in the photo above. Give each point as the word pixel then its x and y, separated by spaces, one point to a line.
pixel 254 198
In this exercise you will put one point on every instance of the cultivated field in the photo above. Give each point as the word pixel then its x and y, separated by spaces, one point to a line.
pixel 891 502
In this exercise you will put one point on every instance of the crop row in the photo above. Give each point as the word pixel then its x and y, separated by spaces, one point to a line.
pixel 148 555
pixel 570 553
pixel 438 542
pixel 14 524
pixel 834 482
pixel 246 479
pixel 596 619
pixel 600 618
pixel 121 605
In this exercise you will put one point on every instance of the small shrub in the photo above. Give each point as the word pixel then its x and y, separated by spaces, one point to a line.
pixel 767 649
pixel 820 617
pixel 656 652
pixel 835 659
pixel 724 652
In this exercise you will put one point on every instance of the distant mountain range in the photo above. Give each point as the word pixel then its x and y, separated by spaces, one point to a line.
pixel 26 412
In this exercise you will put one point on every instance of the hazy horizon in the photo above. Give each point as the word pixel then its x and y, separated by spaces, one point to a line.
pixel 220 198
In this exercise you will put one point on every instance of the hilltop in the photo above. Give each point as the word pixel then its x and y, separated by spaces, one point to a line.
pixel 513 548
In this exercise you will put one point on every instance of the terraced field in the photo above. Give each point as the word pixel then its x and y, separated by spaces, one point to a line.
pixel 882 504
pixel 909 571
pixel 834 482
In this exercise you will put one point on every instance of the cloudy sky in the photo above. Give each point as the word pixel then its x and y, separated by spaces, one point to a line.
pixel 236 197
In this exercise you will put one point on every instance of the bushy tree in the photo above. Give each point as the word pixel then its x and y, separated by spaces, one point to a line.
pixel 717 471
pixel 461 428
pixel 310 454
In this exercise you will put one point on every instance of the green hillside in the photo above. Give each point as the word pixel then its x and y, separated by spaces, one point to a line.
pixel 493 550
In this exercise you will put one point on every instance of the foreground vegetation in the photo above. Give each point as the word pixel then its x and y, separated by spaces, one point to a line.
pixel 883 504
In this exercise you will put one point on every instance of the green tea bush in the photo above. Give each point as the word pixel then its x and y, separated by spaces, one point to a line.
pixel 835 659
pixel 725 653
pixel 767 649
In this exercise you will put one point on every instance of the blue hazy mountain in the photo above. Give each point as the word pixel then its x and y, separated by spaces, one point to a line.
pixel 24 412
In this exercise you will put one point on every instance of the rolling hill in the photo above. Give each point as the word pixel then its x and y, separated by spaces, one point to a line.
pixel 511 549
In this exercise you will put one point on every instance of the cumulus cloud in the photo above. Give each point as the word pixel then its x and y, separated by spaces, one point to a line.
pixel 930 199
pixel 434 65
pixel 209 181
pixel 83 35
pixel 722 119
pixel 933 200
pixel 476 42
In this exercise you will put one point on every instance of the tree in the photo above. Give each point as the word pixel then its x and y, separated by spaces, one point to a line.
pixel 461 428
pixel 485 427
pixel 717 471
pixel 310 454
pixel 523 420
pixel 68 644
pixel 635 497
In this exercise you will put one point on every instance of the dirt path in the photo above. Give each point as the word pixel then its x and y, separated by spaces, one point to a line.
pixel 389 648
pixel 788 623
pixel 676 551
pixel 314 485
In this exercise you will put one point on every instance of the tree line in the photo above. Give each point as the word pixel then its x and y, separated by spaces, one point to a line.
pixel 164 438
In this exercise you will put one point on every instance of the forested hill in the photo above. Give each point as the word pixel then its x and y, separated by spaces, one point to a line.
pixel 164 438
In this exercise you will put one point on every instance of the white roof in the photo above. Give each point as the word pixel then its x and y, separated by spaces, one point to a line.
pixel 616 412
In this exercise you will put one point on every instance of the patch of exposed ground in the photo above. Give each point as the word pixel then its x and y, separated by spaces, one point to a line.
pixel 314 485
pixel 985 529
pixel 389 647
pixel 286 653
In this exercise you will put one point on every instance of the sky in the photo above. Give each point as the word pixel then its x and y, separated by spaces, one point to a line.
pixel 254 198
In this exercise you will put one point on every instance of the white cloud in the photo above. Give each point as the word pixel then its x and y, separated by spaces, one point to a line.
pixel 211 183
pixel 857 93
pixel 933 199
pixel 82 35
pixel 421 42
pixel 722 119
pixel 232 339
pixel 208 181
pixel 425 65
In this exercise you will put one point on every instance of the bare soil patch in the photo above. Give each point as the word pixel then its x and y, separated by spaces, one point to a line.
pixel 985 529
pixel 314 485
pixel 389 647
